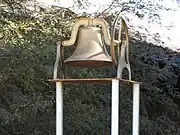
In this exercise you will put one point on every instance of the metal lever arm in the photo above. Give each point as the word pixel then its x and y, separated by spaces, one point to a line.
pixel 123 54
pixel 59 57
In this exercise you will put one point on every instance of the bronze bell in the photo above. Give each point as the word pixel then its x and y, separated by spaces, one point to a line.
pixel 90 50
pixel 91 37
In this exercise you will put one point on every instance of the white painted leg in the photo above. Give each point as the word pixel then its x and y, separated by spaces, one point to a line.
pixel 59 108
pixel 136 101
pixel 115 108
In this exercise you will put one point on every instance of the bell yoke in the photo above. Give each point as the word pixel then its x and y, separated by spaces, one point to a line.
pixel 92 38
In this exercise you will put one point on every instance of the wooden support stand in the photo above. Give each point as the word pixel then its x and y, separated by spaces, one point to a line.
pixel 115 102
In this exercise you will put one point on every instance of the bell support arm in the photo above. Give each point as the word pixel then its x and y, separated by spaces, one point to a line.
pixel 123 54
pixel 57 60
pixel 112 50
pixel 80 22
pixel 59 57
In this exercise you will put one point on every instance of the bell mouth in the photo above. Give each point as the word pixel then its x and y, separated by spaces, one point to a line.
pixel 89 63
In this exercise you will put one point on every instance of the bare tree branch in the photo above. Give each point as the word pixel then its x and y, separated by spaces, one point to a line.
pixel 108 8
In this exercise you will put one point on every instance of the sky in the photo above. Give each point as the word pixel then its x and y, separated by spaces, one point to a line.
pixel 167 27
pixel 95 4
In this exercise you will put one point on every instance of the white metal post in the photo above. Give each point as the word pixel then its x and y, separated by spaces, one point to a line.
pixel 115 107
pixel 59 108
pixel 136 95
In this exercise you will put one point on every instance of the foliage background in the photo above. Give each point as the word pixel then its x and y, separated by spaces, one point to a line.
pixel 27 101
